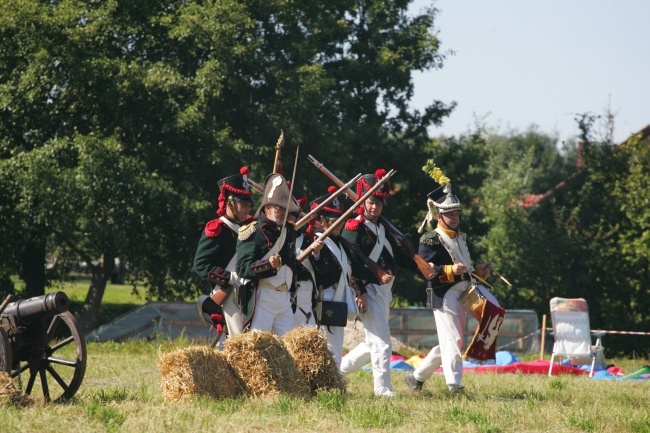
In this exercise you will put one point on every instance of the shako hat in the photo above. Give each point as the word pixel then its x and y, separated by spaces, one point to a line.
pixel 235 186
pixel 277 193
pixel 365 184
pixel 301 198
pixel 445 199
pixel 333 209
pixel 367 181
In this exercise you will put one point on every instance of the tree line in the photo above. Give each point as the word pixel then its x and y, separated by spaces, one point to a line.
pixel 118 118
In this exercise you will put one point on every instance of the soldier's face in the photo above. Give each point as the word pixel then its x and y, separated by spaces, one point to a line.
pixel 450 219
pixel 328 223
pixel 242 210
pixel 372 208
pixel 275 213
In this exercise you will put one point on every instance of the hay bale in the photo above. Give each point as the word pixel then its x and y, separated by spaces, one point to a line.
pixel 9 395
pixel 263 364
pixel 196 370
pixel 314 359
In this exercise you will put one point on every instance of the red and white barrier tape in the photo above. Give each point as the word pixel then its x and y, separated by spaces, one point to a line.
pixel 621 332
pixel 551 329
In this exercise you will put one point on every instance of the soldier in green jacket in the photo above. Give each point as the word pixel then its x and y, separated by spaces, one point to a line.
pixel 266 255
pixel 215 256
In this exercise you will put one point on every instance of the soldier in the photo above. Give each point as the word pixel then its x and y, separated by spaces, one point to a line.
pixel 215 256
pixel 370 234
pixel 266 255
pixel 303 297
pixel 445 249
pixel 340 266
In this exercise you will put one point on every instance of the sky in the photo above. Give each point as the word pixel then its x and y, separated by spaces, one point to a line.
pixel 518 63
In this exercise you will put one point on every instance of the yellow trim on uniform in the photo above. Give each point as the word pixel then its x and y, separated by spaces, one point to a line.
pixel 449 272
pixel 451 233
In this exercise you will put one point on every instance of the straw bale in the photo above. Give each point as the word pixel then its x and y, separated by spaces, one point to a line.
pixel 196 370
pixel 9 394
pixel 263 364
pixel 314 359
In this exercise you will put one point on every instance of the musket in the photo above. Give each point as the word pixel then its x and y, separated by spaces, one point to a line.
pixel 402 240
pixel 293 178
pixel 277 163
pixel 370 264
pixel 304 220
pixel 256 185
pixel 346 214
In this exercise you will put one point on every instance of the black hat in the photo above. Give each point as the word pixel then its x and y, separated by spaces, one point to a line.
pixel 301 198
pixel 276 192
pixel 445 199
pixel 366 182
pixel 235 186
pixel 333 209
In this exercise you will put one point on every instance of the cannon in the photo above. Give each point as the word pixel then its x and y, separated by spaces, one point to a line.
pixel 40 338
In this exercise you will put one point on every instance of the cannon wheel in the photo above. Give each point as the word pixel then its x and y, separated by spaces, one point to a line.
pixel 6 358
pixel 58 368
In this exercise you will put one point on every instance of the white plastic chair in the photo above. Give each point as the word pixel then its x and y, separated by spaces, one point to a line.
pixel 573 336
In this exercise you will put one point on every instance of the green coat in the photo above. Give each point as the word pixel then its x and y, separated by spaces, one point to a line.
pixel 357 232
pixel 216 248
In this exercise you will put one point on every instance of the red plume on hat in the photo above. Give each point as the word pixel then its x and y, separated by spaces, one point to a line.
pixel 227 187
pixel 363 184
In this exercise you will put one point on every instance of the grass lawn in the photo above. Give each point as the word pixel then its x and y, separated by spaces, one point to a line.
pixel 121 392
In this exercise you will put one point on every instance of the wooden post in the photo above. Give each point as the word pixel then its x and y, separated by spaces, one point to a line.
pixel 541 349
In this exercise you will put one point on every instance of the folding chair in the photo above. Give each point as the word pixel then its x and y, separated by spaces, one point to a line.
pixel 573 335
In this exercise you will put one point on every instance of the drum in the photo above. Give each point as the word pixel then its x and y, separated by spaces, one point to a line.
pixel 484 307
pixel 474 300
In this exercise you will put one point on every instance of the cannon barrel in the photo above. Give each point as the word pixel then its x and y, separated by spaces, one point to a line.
pixel 26 311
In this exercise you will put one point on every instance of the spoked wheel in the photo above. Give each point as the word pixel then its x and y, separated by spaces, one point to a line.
pixel 59 364
pixel 5 352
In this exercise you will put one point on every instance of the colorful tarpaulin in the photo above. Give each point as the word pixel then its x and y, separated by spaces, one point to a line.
pixel 507 362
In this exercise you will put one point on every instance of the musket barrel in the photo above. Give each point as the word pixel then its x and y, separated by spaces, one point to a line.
pixel 400 238
pixel 347 213
pixel 26 311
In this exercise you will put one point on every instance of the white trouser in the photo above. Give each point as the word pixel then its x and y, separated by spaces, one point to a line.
pixel 273 312
pixel 450 325
pixel 233 315
pixel 335 337
pixel 304 291
pixel 377 346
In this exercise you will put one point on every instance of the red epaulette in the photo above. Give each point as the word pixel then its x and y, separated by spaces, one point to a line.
pixel 213 228
pixel 352 225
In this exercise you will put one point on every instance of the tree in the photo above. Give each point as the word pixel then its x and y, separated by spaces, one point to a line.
pixel 117 118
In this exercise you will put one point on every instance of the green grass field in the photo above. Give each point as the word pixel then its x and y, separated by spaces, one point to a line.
pixel 121 392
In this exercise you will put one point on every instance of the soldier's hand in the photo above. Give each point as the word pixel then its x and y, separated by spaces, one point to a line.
pixel 458 268
pixel 486 268
pixel 362 302
pixel 384 277
pixel 275 261
pixel 317 245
